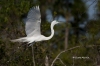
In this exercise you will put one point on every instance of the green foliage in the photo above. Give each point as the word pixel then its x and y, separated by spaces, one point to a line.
pixel 93 27
pixel 12 26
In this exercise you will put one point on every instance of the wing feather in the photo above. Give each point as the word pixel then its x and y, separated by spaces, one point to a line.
pixel 33 22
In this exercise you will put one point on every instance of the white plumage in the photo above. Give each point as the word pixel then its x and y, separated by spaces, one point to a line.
pixel 32 27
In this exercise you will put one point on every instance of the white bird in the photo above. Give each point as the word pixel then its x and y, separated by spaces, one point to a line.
pixel 32 27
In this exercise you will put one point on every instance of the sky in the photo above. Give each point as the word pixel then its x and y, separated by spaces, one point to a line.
pixel 91 11
pixel 92 8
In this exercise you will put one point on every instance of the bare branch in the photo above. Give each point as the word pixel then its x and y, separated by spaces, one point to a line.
pixel 33 56
pixel 46 61
pixel 68 50
pixel 63 52
pixel 61 61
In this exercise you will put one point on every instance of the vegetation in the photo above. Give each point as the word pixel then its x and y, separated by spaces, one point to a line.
pixel 83 43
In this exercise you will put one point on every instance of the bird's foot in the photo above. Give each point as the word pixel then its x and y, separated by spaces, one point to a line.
pixel 30 44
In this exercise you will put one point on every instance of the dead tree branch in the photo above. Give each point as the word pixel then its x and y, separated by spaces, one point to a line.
pixel 68 50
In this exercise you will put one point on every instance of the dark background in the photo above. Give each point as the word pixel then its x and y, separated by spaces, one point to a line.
pixel 80 29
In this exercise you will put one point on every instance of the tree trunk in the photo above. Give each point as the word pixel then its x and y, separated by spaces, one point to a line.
pixel 66 38
pixel 67 16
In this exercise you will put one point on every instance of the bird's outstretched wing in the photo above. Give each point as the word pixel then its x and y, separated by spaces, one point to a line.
pixel 33 22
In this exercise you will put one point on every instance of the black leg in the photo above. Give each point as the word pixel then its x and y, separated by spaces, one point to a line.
pixel 31 44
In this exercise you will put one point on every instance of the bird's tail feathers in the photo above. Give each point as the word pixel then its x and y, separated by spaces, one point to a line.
pixel 19 40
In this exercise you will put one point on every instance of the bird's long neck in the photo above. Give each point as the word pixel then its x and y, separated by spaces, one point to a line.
pixel 52 32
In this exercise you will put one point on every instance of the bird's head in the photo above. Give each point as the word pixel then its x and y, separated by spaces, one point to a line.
pixel 55 22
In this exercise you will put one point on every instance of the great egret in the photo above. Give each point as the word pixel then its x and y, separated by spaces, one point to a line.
pixel 32 27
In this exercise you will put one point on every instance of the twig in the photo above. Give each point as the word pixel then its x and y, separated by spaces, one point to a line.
pixel 61 61
pixel 68 50
pixel 61 53
pixel 89 6
pixel 73 61
pixel 46 61
pixel 92 3
pixel 33 55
